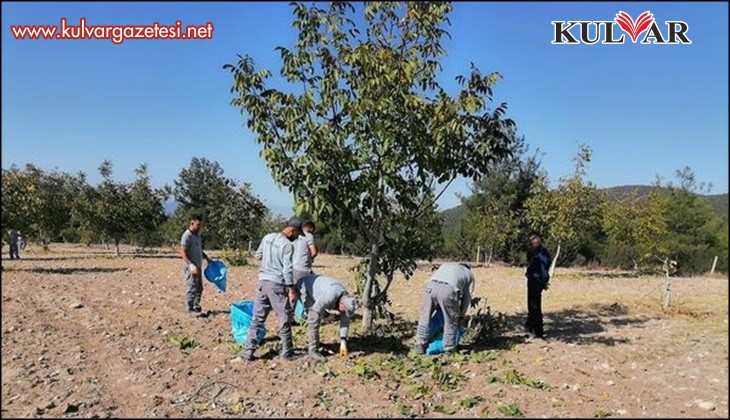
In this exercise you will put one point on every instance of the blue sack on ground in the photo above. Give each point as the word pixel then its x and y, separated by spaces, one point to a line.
pixel 436 333
pixel 217 274
pixel 241 316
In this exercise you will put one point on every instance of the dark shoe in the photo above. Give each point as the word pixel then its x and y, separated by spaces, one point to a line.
pixel 290 355
pixel 246 355
pixel 317 356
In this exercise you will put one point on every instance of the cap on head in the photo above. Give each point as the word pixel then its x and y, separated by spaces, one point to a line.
pixel 296 224
pixel 351 304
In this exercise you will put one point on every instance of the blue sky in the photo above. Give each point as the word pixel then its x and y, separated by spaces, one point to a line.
pixel 645 110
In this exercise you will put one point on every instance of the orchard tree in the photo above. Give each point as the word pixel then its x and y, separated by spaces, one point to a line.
pixel 496 215
pixel 695 230
pixel 240 220
pixel 149 213
pixel 39 203
pixel 569 213
pixel 638 224
pixel 201 188
pixel 365 136
pixel 108 208
pixel 233 214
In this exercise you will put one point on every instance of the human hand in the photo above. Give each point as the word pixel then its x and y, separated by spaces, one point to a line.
pixel 293 294
pixel 193 269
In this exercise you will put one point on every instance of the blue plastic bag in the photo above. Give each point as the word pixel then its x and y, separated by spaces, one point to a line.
pixel 299 311
pixel 217 274
pixel 241 316
pixel 436 333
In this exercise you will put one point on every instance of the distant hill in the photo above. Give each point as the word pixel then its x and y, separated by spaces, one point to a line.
pixel 169 206
pixel 453 216
pixel 718 202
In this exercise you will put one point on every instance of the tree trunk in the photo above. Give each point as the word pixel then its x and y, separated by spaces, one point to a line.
pixel 667 286
pixel 116 246
pixel 555 260
pixel 368 307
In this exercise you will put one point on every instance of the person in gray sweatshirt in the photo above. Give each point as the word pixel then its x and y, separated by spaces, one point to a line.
pixel 320 293
pixel 304 252
pixel 276 288
pixel 450 288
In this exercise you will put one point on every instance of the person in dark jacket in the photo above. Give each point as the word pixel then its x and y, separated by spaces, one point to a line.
pixel 538 278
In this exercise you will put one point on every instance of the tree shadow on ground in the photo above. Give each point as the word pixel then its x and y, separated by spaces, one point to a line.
pixel 71 270
pixel 216 312
pixel 58 258
pixel 578 325
pixel 386 336
pixel 583 325
pixel 591 275
pixel 109 256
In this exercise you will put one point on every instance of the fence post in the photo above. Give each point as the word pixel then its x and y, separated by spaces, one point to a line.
pixel 714 263
pixel 479 250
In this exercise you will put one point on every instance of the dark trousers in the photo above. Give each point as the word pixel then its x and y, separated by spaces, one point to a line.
pixel 534 307
pixel 14 251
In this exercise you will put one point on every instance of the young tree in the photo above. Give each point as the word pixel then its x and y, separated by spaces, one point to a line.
pixel 496 214
pixel 109 208
pixel 695 230
pixel 567 214
pixel 637 224
pixel 149 214
pixel 366 132
pixel 37 202
pixel 232 213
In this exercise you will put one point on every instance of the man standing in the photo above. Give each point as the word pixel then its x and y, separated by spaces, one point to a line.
pixel 450 289
pixel 304 252
pixel 538 276
pixel 276 288
pixel 191 251
pixel 320 293
pixel 13 237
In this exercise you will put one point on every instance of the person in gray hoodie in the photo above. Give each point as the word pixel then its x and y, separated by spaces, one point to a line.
pixel 276 288
pixel 320 293
pixel 450 288
pixel 304 252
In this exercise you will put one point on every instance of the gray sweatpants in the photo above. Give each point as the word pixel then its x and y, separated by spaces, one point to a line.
pixel 270 295
pixel 444 296
pixel 193 289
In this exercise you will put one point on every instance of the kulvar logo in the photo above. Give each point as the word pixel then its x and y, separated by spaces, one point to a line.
pixel 592 32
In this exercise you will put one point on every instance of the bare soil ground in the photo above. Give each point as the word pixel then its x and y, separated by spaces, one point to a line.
pixel 86 334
